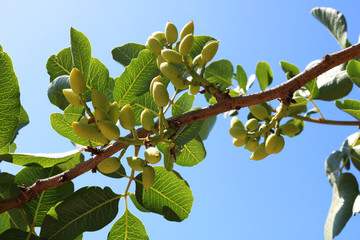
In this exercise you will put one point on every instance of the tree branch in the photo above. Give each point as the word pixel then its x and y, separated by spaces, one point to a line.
pixel 283 91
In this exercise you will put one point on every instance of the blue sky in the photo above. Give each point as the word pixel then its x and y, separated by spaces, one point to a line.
pixel 285 196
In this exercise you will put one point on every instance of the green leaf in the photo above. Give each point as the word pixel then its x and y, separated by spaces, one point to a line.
pixel 334 21
pixel 353 70
pixel 221 72
pixel 334 84
pixel 125 53
pixel 80 51
pixel 9 100
pixel 299 106
pixel 55 93
pixel 344 195
pixel 188 132
pixel 206 127
pixel 332 166
pixel 264 74
pixel 192 153
pixel 60 64
pixel 8 148
pixel 182 104
pixel 23 121
pixel 37 209
pixel 199 43
pixel 241 77
pixel 136 78
pixel 137 205
pixel 144 101
pixel 72 113
pixel 169 159
pixel 16 234
pixel 44 160
pixel 88 209
pixel 350 106
pixel 71 163
pixel 128 227
pixel 170 196
pixel 290 69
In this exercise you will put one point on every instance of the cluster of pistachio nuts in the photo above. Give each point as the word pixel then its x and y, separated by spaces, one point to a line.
pixel 250 134
pixel 172 62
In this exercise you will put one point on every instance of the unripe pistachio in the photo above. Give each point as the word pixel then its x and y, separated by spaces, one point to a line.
pixel 252 144
pixel 209 50
pixel 259 111
pixel 179 83
pixel 251 124
pixel 101 138
pixel 169 70
pixel 187 29
pixel 101 114
pixel 238 132
pixel 108 129
pixel 155 79
pixel 159 36
pixel 73 98
pixel 114 112
pixel 235 122
pixel 148 177
pixel 127 117
pixel 99 100
pixel 136 163
pixel 171 56
pixel 188 60
pixel 284 110
pixel 160 94
pixel 154 45
pixel 239 142
pixel 198 61
pixel 77 81
pixel 109 165
pixel 274 144
pixel 84 120
pixel 186 44
pixel 259 153
pixel 289 129
pixel 152 155
pixel 159 60
pixel 171 32
pixel 85 131
pixel 194 89
pixel 147 120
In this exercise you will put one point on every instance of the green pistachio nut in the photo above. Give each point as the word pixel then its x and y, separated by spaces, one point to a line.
pixel 154 45
pixel 84 130
pixel 114 112
pixel 259 111
pixel 147 120
pixel 238 132
pixel 188 60
pixel 239 142
pixel 171 32
pixel 73 98
pixel 252 124
pixel 101 138
pixel 108 129
pixel 259 153
pixel 274 144
pixel 194 89
pixel 155 79
pixel 169 70
pixel 252 144
pixel 235 122
pixel 136 163
pixel 209 50
pixel 127 117
pixel 148 177
pixel 77 81
pixel 171 56
pixel 152 155
pixel 159 60
pixel 179 83
pixel 198 61
pixel 159 36
pixel 84 120
pixel 187 29
pixel 186 44
pixel 99 100
pixel 109 165
pixel 160 94
pixel 289 129
pixel 101 114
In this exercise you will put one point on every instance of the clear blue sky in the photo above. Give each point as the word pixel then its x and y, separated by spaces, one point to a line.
pixel 285 196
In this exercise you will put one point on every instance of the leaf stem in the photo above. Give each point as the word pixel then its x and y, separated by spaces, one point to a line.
pixel 322 117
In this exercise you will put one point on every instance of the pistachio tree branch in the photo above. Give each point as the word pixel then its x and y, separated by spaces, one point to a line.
pixel 329 122
pixel 283 91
